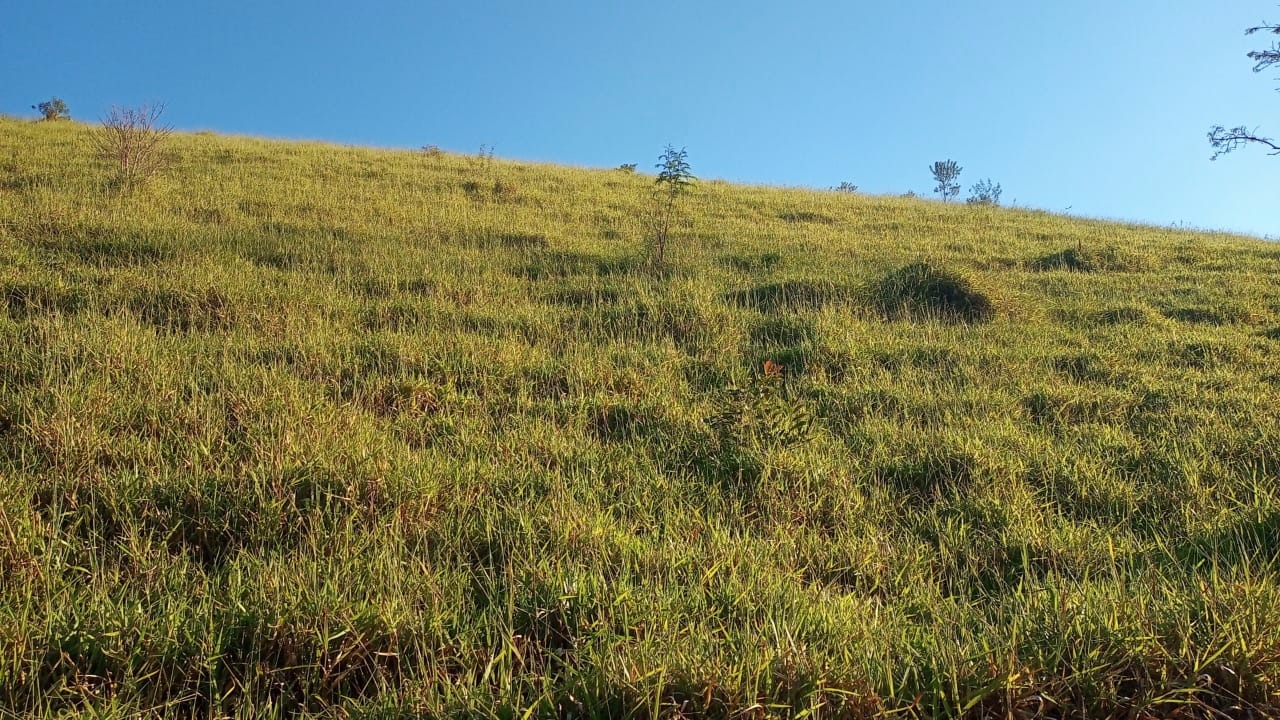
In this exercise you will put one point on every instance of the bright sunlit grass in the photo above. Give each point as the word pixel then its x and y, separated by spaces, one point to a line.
pixel 300 427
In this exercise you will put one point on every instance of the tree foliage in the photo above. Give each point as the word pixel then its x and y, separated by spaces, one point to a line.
pixel 984 192
pixel 946 173
pixel 1224 140
pixel 53 109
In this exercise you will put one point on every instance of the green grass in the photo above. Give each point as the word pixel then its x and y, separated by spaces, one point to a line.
pixel 305 429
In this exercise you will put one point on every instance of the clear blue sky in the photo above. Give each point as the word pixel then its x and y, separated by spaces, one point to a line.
pixel 1097 105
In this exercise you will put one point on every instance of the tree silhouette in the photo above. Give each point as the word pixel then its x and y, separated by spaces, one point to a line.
pixel 675 178
pixel 1224 140
pixel 53 109
pixel 946 173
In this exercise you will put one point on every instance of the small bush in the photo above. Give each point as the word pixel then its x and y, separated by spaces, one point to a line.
pixel 627 167
pixel 675 178
pixel 763 415
pixel 53 109
pixel 132 141
pixel 984 192
pixel 923 290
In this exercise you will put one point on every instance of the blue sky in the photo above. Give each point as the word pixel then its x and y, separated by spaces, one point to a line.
pixel 1096 105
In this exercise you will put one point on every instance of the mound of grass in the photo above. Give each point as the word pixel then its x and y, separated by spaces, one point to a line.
pixel 1105 259
pixel 923 290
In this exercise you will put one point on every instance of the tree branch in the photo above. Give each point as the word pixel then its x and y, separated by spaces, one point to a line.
pixel 1265 58
pixel 1224 141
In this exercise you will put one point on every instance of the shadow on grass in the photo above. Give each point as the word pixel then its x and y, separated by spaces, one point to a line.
pixel 791 295
pixel 561 264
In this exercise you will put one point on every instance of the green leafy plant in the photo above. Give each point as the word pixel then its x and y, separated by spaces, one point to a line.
pixel 675 179
pixel 946 173
pixel 846 187
pixel 53 109
pixel 763 415
pixel 627 167
pixel 984 192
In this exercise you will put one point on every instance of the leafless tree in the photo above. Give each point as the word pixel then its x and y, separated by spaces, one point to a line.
pixel 1225 140
pixel 132 141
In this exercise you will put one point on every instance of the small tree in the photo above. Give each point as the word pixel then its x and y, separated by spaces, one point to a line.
pixel 132 141
pixel 1223 140
pixel 984 192
pixel 674 179
pixel 846 187
pixel 53 109
pixel 946 173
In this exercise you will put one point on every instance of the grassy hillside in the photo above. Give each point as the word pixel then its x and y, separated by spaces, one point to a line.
pixel 368 433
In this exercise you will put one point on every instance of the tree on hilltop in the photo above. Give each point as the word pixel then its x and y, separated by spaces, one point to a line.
pixel 946 173
pixel 53 109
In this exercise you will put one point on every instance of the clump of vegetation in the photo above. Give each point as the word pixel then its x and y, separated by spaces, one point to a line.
pixel 924 290
pixel 984 192
pixel 846 187
pixel 132 141
pixel 53 109
pixel 1108 258
pixel 763 415
pixel 627 168
pixel 675 179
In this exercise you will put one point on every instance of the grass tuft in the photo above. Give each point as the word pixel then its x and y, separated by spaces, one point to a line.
pixel 923 290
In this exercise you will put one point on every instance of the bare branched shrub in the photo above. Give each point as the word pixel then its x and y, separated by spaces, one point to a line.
pixel 132 141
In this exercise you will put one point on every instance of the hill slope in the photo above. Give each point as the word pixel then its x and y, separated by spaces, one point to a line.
pixel 302 427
